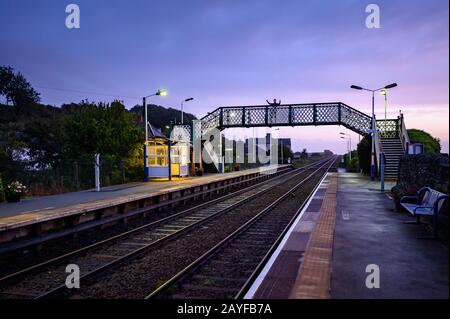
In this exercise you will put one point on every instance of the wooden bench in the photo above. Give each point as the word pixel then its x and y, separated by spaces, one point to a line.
pixel 427 202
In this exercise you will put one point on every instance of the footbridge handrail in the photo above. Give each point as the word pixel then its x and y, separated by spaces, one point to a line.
pixel 404 137
pixel 333 113
pixel 300 114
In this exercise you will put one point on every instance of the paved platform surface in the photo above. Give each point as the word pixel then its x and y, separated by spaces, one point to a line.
pixel 278 278
pixel 366 231
pixel 48 205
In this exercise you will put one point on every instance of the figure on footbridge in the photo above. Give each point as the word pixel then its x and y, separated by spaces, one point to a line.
pixel 273 108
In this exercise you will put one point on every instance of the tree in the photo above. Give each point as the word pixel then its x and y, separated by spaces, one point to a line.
pixel 431 145
pixel 304 154
pixel 44 138
pixel 15 88
pixel 364 150
pixel 2 191
pixel 160 116
pixel 100 128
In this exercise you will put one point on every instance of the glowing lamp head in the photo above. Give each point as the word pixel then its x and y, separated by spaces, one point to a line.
pixel 162 92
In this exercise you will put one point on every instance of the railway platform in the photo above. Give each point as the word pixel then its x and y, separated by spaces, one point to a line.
pixel 348 242
pixel 58 215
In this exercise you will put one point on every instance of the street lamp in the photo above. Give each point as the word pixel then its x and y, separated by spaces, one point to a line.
pixel 282 149
pixel 350 138
pixel 384 93
pixel 372 158
pixel 160 92
pixel 182 102
pixel 346 142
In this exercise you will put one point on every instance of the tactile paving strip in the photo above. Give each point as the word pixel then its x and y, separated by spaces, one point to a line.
pixel 314 276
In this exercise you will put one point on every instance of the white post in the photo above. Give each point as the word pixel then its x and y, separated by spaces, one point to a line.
pixel 97 172
pixel 350 147
pixel 372 157
pixel 223 164
pixel 282 152
pixel 146 177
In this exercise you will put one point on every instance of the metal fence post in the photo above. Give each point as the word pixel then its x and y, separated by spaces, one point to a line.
pixel 97 172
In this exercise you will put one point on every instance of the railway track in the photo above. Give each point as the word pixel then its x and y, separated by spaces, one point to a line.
pixel 47 279
pixel 19 251
pixel 228 269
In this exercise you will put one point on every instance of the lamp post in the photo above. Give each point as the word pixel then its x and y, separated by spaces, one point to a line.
pixel 160 92
pixel 384 93
pixel 346 143
pixel 372 158
pixel 182 102
pixel 282 150
pixel 350 140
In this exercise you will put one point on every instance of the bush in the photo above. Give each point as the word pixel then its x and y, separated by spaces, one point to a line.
pixel 2 190
pixel 353 165
pixel 431 145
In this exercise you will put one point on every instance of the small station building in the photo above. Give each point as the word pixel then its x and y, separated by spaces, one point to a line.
pixel 166 158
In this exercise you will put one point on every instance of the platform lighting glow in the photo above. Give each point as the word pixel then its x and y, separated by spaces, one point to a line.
pixel 162 92
pixel 383 92
pixel 232 114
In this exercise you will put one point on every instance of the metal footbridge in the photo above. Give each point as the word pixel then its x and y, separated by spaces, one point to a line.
pixel 309 114
pixel 287 115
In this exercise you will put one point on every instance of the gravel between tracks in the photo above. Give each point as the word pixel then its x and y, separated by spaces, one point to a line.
pixel 12 262
pixel 223 274
pixel 140 276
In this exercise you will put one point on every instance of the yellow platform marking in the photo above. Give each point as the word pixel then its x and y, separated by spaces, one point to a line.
pixel 314 276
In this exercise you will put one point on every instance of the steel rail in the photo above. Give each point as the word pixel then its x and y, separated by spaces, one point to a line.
pixel 207 255
pixel 32 268
pixel 142 227
pixel 275 245
pixel 153 244
pixel 89 225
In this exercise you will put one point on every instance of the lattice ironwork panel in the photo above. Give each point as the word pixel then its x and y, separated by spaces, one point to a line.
pixel 232 116
pixel 328 113
pixel 303 114
pixel 181 133
pixel 357 121
pixel 277 115
pixel 388 128
pixel 255 115
pixel 209 122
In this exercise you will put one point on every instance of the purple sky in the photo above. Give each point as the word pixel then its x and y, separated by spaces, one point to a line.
pixel 236 53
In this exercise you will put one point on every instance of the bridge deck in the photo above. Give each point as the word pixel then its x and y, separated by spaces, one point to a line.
pixel 366 231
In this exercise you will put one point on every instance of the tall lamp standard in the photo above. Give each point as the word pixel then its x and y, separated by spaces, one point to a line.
pixel 350 139
pixel 372 158
pixel 282 149
pixel 182 102
pixel 384 93
pixel 160 92
pixel 346 143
